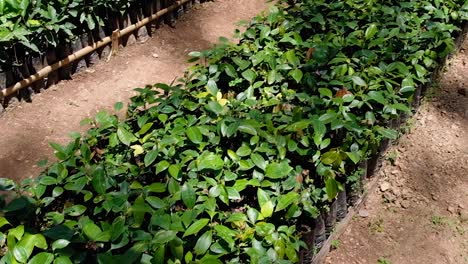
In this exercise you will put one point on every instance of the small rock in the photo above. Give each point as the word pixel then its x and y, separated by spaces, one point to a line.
pixel 451 209
pixel 396 192
pixel 405 204
pixel 384 186
pixel 389 197
pixel 155 55
pixel 363 213
pixel 394 172
pixel 434 197
pixel 461 206
pixel 464 216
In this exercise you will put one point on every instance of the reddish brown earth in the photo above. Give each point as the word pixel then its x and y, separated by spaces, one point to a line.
pixel 419 212
pixel 26 130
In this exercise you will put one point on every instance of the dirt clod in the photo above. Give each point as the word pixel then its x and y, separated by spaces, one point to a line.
pixel 452 209
pixel 405 204
pixel 384 186
pixel 363 213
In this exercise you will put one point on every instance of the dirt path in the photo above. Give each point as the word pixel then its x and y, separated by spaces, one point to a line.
pixel 26 130
pixel 419 214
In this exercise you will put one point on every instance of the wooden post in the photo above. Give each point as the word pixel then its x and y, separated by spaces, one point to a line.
pixel 115 41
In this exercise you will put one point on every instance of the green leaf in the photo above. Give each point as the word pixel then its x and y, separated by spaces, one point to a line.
pixel 297 75
pixel 226 234
pixel 196 227
pixel 118 106
pixel 174 170
pixel 262 197
pixel 150 157
pixel 196 54
pixel 377 96
pixel 331 188
pixel 118 227
pixel 75 210
pixel 267 209
pixel 42 258
pixel 162 166
pixel 156 187
pixel 328 117
pixel 104 236
pixel 330 157
pixel 292 58
pixel 212 87
pixel 188 195
pixel 284 201
pixel 156 202
pixel 125 136
pixel 401 107
pixel 272 76
pixel 48 180
pixel 62 260
pixel 209 160
pixel 59 244
pixel 230 71
pixel 99 181
pixel 164 236
pixel 278 170
pixel 243 64
pixel 258 160
pixel 243 151
pixel 407 85
pixel 23 250
pixel 145 128
pixel 203 243
pixel 325 92
pixel 20 253
pixel 358 81
pixel 215 107
pixel 371 31
pixel 354 156
pixel 91 230
pixel 249 75
pixel 388 133
pixel 194 134
pixel 3 221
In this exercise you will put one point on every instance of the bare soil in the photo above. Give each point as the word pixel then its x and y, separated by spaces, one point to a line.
pixel 419 211
pixel 27 129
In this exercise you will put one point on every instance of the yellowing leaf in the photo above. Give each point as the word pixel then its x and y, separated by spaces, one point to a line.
pixel 137 150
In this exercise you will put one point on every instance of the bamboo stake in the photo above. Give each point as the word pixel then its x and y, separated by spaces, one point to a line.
pixel 85 51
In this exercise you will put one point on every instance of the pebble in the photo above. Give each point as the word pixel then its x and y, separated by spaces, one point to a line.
pixel 389 197
pixel 155 55
pixel 396 191
pixel 451 209
pixel 363 213
pixel 384 186
pixel 405 204
pixel 464 216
